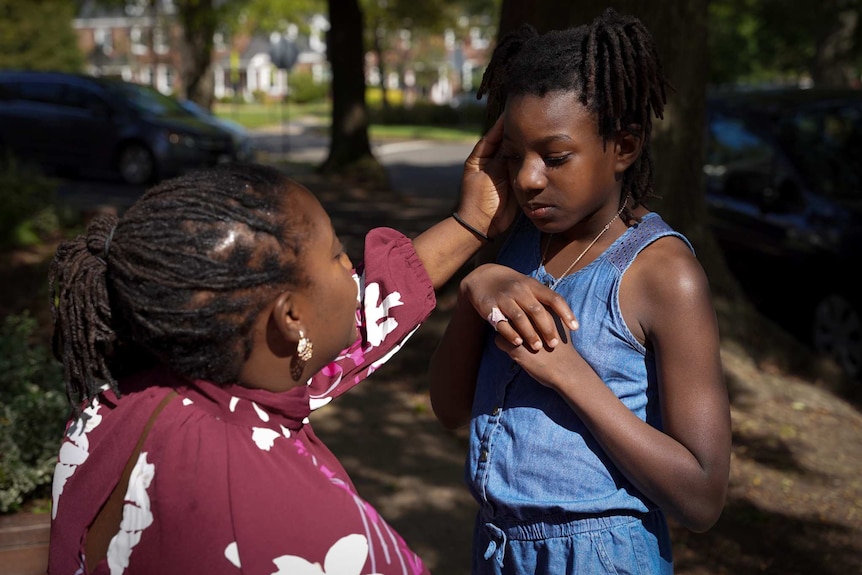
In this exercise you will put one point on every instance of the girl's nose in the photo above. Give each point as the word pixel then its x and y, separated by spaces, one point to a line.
pixel 530 176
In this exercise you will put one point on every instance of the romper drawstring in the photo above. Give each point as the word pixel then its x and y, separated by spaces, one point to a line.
pixel 497 543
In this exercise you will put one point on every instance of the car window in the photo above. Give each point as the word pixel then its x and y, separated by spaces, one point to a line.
pixel 8 92
pixel 148 100
pixel 825 143
pixel 84 99
pixel 42 92
pixel 738 160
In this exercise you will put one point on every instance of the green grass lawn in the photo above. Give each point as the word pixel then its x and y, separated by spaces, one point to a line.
pixel 254 116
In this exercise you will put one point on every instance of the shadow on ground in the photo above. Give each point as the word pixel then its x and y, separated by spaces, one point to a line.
pixel 795 499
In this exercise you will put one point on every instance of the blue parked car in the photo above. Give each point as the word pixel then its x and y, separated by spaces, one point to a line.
pixel 784 193
pixel 74 123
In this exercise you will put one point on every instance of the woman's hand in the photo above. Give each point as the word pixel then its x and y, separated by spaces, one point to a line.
pixel 485 193
pixel 521 309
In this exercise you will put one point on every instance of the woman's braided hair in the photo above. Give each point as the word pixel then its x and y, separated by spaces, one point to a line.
pixel 178 280
pixel 611 64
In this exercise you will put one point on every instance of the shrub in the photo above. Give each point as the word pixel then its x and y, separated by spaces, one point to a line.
pixel 28 203
pixel 33 412
pixel 303 88
pixel 427 114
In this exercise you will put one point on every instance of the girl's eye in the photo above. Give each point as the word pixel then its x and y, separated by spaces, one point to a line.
pixel 554 161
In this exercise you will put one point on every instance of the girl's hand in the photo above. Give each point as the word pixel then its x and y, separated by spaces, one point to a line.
pixel 521 309
pixel 547 366
pixel 485 192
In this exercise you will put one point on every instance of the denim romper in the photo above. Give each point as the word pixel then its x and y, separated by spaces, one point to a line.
pixel 550 500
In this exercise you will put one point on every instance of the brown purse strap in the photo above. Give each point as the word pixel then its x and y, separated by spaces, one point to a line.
pixel 107 522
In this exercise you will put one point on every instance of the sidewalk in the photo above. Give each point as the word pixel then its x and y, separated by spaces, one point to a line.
pixel 24 543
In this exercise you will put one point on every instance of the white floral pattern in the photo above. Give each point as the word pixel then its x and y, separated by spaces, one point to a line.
pixel 378 322
pixel 74 451
pixel 347 556
pixel 136 516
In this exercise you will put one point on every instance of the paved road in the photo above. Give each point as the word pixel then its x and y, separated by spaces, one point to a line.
pixel 421 168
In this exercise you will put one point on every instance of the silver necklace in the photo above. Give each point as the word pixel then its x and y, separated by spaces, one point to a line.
pixel 583 253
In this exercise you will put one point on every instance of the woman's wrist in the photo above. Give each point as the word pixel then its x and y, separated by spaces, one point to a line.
pixel 472 225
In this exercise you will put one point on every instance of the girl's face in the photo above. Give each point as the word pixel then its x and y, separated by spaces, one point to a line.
pixel 331 293
pixel 561 170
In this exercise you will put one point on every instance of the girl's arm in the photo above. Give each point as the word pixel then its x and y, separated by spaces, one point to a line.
pixel 684 468
pixel 455 365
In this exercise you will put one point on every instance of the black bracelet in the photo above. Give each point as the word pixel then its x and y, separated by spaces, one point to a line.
pixel 469 227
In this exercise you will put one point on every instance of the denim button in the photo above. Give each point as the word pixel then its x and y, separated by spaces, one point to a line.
pixel 496 411
pixel 484 455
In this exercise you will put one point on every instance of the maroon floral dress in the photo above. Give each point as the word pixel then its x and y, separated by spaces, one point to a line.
pixel 233 480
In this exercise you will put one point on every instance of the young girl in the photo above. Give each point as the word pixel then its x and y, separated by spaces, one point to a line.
pixel 582 437
pixel 234 286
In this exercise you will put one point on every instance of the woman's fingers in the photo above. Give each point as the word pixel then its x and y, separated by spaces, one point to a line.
pixel 486 148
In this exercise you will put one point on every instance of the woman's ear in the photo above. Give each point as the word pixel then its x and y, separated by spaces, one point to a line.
pixel 628 147
pixel 287 317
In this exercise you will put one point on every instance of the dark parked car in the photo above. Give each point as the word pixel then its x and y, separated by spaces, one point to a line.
pixel 784 191
pixel 85 124
pixel 243 146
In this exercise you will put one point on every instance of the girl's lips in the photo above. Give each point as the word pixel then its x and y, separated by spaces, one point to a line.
pixel 537 212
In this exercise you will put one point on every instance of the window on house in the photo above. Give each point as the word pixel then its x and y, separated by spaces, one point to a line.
pixel 160 40
pixel 136 37
pixel 218 42
pixel 477 40
pixel 103 39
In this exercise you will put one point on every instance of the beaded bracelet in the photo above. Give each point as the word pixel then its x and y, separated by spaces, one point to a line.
pixel 469 227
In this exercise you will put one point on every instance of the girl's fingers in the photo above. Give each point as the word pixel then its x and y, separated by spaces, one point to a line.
pixel 534 324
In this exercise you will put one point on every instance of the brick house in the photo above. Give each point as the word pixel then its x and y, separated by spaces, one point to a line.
pixel 137 42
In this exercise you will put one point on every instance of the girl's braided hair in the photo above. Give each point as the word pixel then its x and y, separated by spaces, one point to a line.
pixel 178 280
pixel 611 64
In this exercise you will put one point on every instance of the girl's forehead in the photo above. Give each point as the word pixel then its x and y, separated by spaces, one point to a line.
pixel 549 114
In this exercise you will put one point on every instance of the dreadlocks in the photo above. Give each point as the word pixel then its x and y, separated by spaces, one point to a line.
pixel 177 278
pixel 612 65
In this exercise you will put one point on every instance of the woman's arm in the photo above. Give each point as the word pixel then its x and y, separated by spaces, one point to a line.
pixel 483 205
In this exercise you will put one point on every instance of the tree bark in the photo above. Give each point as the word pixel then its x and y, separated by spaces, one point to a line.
pixel 199 20
pixel 349 148
pixel 833 63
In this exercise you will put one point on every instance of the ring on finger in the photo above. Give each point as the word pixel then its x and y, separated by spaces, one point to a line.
pixel 495 317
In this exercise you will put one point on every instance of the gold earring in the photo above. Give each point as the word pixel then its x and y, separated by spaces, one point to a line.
pixel 304 347
pixel 304 351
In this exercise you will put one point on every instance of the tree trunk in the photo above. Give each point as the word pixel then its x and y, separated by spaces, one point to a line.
pixel 199 19
pixel 833 63
pixel 349 147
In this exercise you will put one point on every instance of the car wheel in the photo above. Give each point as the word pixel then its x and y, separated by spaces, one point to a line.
pixel 136 164
pixel 838 333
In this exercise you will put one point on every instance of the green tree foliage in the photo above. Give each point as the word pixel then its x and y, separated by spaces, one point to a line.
pixel 38 35
pixel 275 15
pixel 765 41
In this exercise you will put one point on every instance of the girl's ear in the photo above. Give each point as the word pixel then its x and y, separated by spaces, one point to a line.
pixel 628 147
pixel 287 316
